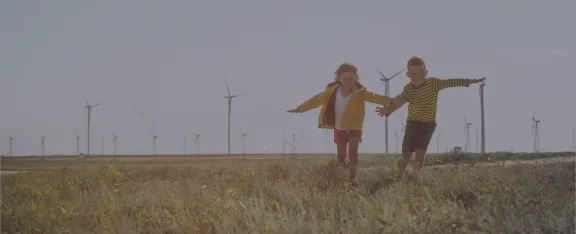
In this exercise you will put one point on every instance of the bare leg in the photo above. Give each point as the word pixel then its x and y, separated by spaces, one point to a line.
pixel 353 153
pixel 341 153
pixel 420 157
pixel 402 163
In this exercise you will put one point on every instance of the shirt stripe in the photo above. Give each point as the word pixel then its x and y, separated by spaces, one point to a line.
pixel 423 101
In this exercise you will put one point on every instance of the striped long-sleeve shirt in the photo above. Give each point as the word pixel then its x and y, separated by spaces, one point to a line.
pixel 423 101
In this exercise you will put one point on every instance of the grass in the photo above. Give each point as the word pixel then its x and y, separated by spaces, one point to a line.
pixel 280 197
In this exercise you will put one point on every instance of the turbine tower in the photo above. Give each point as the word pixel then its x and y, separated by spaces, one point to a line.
pixel 482 126
pixel 229 97
pixel 154 137
pixel 197 142
pixel 284 144
pixel 293 145
pixel 397 139
pixel 89 107
pixel 467 135
pixel 476 138
pixel 387 93
pixel 10 148
pixel 77 144
pixel 43 145
pixel 536 142
pixel 243 141
pixel 114 141
pixel 574 140
pixel 438 142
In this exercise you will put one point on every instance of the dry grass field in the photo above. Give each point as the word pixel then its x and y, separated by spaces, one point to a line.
pixel 260 196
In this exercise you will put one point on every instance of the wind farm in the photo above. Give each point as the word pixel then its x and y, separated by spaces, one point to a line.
pixel 191 117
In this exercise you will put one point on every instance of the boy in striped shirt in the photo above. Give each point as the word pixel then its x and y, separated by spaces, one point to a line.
pixel 422 95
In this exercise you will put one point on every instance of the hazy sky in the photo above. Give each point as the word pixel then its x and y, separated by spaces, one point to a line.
pixel 170 57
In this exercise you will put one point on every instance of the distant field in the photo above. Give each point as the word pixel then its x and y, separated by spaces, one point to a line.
pixel 32 162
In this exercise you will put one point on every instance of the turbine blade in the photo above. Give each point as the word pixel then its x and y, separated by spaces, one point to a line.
pixel 227 89
pixel 383 76
pixel 396 74
pixel 238 95
pixel 86 103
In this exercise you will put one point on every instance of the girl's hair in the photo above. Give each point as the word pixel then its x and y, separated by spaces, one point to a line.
pixel 345 67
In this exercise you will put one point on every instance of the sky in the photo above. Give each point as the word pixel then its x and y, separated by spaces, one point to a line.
pixel 159 66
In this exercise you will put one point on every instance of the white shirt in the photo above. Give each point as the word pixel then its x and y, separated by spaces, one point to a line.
pixel 340 106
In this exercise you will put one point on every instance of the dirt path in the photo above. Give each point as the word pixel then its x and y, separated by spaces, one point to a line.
pixel 506 163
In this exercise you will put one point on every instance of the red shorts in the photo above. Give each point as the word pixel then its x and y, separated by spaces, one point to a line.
pixel 342 136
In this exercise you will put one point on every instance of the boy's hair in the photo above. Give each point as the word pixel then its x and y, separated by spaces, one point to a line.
pixel 345 67
pixel 415 61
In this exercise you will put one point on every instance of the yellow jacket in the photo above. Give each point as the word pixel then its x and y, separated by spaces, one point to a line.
pixel 353 116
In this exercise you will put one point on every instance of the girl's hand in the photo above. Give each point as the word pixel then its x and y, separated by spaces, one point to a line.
pixel 383 111
pixel 294 111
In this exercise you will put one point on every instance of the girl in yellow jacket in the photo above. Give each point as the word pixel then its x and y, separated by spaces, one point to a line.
pixel 343 109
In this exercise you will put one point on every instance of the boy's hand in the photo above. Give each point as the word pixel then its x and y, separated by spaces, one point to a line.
pixel 473 81
pixel 383 111
pixel 294 111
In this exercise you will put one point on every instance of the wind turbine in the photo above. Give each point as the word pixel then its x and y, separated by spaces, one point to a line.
pixel 77 144
pixel 229 97
pixel 293 145
pixel 154 137
pixel 114 141
pixel 243 141
pixel 467 134
pixel 476 140
pixel 197 142
pixel 482 126
pixel 397 139
pixel 43 145
pixel 441 134
pixel 284 144
pixel 535 124
pixel 89 107
pixel 387 93
pixel 10 149
pixel 574 140
pixel 438 142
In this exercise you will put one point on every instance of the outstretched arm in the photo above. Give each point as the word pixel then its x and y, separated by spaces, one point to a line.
pixel 311 103
pixel 396 103
pixel 457 82
pixel 440 84
pixel 375 98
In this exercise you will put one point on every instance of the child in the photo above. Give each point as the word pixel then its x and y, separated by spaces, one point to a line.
pixel 422 95
pixel 343 109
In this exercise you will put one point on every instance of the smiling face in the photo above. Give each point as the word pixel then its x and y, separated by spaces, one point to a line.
pixel 347 75
pixel 348 79
pixel 417 73
pixel 416 70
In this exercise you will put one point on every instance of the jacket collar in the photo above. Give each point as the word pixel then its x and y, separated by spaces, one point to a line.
pixel 336 84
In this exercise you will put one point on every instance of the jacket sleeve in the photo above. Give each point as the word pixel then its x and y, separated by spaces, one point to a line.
pixel 375 98
pixel 312 103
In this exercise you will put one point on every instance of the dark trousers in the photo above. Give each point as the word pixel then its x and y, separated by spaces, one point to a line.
pixel 417 135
